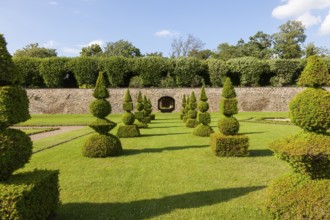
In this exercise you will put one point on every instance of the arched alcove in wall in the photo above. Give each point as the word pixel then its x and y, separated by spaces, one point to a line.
pixel 166 104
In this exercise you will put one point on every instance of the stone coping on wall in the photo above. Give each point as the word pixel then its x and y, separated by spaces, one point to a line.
pixel 76 101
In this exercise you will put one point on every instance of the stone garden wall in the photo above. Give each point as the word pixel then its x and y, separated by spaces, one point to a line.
pixel 76 101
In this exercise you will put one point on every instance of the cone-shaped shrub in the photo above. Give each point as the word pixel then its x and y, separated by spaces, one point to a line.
pixel 151 116
pixel 183 110
pixel 204 118
pixel 228 143
pixel 146 109
pixel 186 109
pixel 129 129
pixel 192 113
pixel 307 152
pixel 102 144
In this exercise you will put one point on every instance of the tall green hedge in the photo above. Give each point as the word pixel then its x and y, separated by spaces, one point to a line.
pixel 284 72
pixel 218 71
pixel 29 68
pixel 119 70
pixel 85 69
pixel 54 70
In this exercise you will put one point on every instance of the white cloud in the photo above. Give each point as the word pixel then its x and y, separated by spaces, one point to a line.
pixel 99 42
pixel 325 26
pixel 295 8
pixel 53 3
pixel 71 50
pixel 50 44
pixel 167 33
pixel 309 20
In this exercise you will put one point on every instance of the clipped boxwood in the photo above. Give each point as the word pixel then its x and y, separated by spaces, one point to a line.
pixel 295 196
pixel 102 145
pixel 127 131
pixel 30 195
pixel 14 106
pixel 15 151
pixel 102 126
pixel 202 130
pixel 228 125
pixel 229 145
pixel 228 106
pixel 128 118
pixel 308 153
pixel 310 110
pixel 100 108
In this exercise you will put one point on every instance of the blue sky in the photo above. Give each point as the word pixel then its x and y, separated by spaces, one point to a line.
pixel 151 25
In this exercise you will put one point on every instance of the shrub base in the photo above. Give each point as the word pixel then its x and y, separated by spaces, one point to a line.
pixel 229 145
pixel 29 195
pixel 191 123
pixel 102 145
pixel 203 130
pixel 125 131
pixel 295 196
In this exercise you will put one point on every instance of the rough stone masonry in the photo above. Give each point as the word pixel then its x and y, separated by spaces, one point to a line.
pixel 76 101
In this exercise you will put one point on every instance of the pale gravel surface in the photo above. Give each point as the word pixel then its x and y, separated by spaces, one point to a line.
pixel 61 130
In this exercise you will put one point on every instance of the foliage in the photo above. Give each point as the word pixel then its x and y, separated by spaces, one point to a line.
pixel 191 122
pixel 33 50
pixel 228 106
pixel 121 48
pixel 204 118
pixel 136 82
pixel 310 110
pixel 85 69
pixel 93 50
pixel 202 130
pixel 228 125
pixel 151 70
pixel 287 42
pixel 295 196
pixel 15 151
pixel 228 90
pixel 229 145
pixel 102 145
pixel 128 118
pixel 14 106
pixel 190 72
pixel 284 71
pixel 128 131
pixel 247 69
pixel 218 71
pixel 308 153
pixel 100 108
pixel 119 70
pixel 100 91
pixel 8 73
pixel 29 68
pixel 54 70
pixel 315 73
pixel 30 195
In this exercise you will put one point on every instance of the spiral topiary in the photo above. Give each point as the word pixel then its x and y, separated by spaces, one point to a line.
pixel 307 152
pixel 183 110
pixel 192 113
pixel 151 116
pixel 129 129
pixel 15 146
pixel 204 118
pixel 186 109
pixel 228 143
pixel 139 115
pixel 146 110
pixel 102 144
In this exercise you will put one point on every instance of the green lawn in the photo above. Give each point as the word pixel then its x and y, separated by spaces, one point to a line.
pixel 166 174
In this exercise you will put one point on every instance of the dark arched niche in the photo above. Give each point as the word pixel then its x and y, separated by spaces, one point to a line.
pixel 166 104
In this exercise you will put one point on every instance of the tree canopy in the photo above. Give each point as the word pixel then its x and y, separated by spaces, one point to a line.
pixel 34 50
pixel 121 48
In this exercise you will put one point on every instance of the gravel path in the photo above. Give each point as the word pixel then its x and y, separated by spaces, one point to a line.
pixel 61 130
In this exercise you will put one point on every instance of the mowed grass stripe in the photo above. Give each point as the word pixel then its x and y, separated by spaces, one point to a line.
pixel 166 174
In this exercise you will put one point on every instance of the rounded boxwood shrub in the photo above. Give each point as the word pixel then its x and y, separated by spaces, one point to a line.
pixel 308 153
pixel 102 145
pixel 228 106
pixel 310 110
pixel 296 196
pixel 128 118
pixel 228 125
pixel 202 130
pixel 100 108
pixel 128 131
pixel 204 118
pixel 203 106
pixel 15 151
pixel 14 106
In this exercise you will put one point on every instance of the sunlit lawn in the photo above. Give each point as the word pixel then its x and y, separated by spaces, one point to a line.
pixel 166 174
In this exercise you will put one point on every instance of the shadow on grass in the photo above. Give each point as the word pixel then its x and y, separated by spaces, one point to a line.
pixel 253 132
pixel 155 135
pixel 261 153
pixel 148 208
pixel 169 126
pixel 159 150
